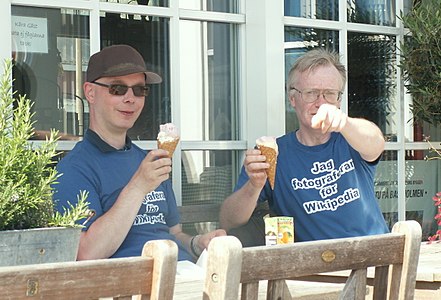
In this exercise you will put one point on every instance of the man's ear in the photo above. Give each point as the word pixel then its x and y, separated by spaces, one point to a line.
pixel 89 92
pixel 292 100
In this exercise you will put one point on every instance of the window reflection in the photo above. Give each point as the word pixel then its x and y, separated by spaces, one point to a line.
pixel 386 186
pixel 375 12
pixel 313 9
pixel 228 6
pixel 407 5
pixel 207 176
pixel 49 61
pixel 209 77
pixel 419 189
pixel 139 2
pixel 418 132
pixel 422 131
pixel 75 106
pixel 372 79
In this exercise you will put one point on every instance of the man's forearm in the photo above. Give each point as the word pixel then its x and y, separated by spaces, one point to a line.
pixel 238 207
pixel 365 137
pixel 108 232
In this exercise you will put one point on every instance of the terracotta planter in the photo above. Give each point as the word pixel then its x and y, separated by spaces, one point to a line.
pixel 42 245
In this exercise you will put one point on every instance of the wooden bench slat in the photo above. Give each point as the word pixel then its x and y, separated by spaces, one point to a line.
pixel 151 274
pixel 199 213
pixel 397 251
pixel 84 279
pixel 348 253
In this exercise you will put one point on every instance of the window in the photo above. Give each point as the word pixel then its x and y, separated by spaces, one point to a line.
pixel 150 36
pixel 223 64
pixel 50 49
pixel 196 55
pixel 208 107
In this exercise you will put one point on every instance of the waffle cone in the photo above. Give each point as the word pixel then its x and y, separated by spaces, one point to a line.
pixel 170 146
pixel 271 158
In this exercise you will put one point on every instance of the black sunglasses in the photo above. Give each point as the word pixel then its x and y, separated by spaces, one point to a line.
pixel 121 89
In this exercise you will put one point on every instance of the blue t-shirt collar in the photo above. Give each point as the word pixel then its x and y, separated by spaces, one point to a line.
pixel 98 142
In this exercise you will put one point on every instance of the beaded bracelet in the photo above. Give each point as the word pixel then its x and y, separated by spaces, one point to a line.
pixel 192 247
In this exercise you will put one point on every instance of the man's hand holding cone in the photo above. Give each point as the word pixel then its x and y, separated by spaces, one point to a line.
pixel 268 146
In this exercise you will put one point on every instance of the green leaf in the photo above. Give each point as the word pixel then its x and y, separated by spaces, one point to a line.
pixel 27 173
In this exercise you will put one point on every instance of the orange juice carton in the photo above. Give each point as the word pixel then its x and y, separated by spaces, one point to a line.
pixel 285 230
pixel 279 230
pixel 270 231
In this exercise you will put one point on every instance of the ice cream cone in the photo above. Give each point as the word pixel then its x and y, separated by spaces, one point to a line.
pixel 170 146
pixel 168 138
pixel 271 158
pixel 268 147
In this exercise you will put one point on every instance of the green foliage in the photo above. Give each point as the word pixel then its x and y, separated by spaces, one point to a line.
pixel 26 174
pixel 421 60
pixel 73 214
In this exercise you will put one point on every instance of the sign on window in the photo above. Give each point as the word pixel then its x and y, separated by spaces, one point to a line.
pixel 29 34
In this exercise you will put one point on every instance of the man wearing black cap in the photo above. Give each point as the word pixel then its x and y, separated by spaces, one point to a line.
pixel 129 189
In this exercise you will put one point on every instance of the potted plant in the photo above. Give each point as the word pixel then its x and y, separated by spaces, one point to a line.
pixel 421 66
pixel 26 179
pixel 421 60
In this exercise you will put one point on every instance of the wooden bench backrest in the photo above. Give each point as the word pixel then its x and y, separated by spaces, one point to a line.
pixel 199 213
pixel 250 234
pixel 394 253
pixel 151 276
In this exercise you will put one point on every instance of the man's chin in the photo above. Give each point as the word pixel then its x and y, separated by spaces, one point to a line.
pixel 124 126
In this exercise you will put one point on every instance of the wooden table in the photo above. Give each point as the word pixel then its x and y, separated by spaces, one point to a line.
pixel 328 285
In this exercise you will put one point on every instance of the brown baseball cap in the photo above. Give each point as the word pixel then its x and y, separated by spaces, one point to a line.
pixel 118 60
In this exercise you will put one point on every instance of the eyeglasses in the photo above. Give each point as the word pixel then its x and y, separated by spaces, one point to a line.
pixel 331 96
pixel 121 89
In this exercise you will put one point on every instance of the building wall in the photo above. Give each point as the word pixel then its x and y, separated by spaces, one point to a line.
pixel 224 65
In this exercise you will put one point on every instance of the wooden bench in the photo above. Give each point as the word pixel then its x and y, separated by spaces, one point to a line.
pixel 250 234
pixel 199 213
pixel 394 256
pixel 150 276
pixel 199 218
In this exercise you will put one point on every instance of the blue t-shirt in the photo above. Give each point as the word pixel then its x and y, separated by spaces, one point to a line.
pixel 103 171
pixel 328 189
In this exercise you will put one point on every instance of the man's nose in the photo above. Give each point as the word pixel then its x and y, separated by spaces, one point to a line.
pixel 320 99
pixel 129 96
